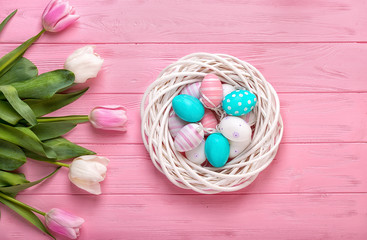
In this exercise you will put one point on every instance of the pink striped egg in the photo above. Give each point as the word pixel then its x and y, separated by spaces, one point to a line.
pixel 209 120
pixel 211 91
pixel 189 137
pixel 175 124
pixel 192 89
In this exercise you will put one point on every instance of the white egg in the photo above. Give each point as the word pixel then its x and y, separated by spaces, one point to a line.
pixel 250 118
pixel 235 148
pixel 197 155
pixel 235 129
pixel 227 89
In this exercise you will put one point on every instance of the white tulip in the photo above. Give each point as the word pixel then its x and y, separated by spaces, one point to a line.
pixel 86 172
pixel 84 63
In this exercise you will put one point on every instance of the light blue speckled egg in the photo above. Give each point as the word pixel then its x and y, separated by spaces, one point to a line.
pixel 239 102
pixel 188 108
pixel 217 149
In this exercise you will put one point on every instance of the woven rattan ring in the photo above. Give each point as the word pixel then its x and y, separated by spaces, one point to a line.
pixel 267 125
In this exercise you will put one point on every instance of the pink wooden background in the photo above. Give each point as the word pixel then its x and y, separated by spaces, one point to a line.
pixel 314 53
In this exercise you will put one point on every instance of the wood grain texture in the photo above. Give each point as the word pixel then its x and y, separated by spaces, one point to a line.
pixel 289 67
pixel 314 54
pixel 325 168
pixel 306 216
pixel 308 117
pixel 116 21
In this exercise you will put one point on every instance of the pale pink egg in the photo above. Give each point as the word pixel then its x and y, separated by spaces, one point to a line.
pixel 189 137
pixel 209 120
pixel 192 89
pixel 250 118
pixel 175 124
pixel 211 91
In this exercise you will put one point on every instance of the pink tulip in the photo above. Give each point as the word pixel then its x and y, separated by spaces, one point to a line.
pixel 64 223
pixel 109 117
pixel 58 15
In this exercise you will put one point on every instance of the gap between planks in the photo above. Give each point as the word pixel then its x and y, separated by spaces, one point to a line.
pixel 195 194
pixel 180 43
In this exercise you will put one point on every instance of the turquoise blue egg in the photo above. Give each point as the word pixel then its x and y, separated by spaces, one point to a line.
pixel 217 149
pixel 239 102
pixel 188 108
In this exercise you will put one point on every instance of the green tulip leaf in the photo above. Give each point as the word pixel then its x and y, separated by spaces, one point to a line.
pixel 25 138
pixel 45 131
pixel 21 107
pixel 6 20
pixel 11 156
pixel 57 101
pixel 48 152
pixel 22 70
pixel 8 61
pixel 40 107
pixel 8 114
pixel 26 214
pixel 64 150
pixel 44 85
pixel 11 179
pixel 13 190
pixel 75 119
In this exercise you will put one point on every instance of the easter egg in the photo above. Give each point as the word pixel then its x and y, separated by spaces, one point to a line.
pixel 227 89
pixel 209 121
pixel 239 102
pixel 188 108
pixel 197 155
pixel 235 148
pixel 250 118
pixel 235 129
pixel 217 149
pixel 192 89
pixel 189 137
pixel 175 124
pixel 211 91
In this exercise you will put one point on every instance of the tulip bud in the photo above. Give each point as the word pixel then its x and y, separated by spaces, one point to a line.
pixel 86 172
pixel 58 15
pixel 84 63
pixel 111 117
pixel 64 223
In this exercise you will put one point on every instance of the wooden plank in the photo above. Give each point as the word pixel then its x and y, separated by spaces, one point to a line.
pixel 267 216
pixel 308 117
pixel 288 67
pixel 298 168
pixel 197 21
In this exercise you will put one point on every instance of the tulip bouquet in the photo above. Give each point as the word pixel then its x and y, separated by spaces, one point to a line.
pixel 25 133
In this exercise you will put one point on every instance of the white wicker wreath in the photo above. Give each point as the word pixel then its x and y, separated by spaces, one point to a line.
pixel 239 172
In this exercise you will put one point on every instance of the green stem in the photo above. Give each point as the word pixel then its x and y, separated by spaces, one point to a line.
pixel 40 33
pixel 21 204
pixel 58 164
pixel 65 118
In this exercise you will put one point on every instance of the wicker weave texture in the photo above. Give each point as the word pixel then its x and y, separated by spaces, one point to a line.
pixel 238 172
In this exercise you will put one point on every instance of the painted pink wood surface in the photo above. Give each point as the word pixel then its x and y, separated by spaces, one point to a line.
pixel 290 67
pixel 260 216
pixel 309 117
pixel 323 168
pixel 145 21
pixel 314 54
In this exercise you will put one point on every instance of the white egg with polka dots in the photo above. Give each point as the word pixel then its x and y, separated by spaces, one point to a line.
pixel 236 148
pixel 197 155
pixel 235 129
